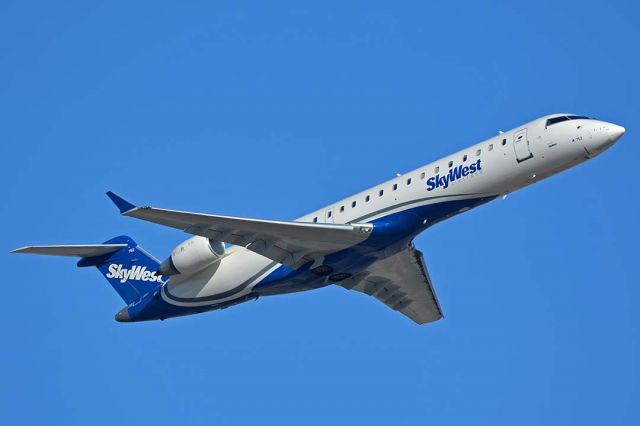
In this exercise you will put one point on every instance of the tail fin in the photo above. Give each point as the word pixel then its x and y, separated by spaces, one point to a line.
pixel 131 271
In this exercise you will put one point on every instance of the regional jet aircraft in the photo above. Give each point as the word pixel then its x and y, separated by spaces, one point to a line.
pixel 362 243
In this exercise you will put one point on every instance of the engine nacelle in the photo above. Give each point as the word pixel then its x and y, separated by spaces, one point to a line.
pixel 192 255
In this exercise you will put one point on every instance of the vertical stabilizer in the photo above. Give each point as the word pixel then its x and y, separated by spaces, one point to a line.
pixel 131 271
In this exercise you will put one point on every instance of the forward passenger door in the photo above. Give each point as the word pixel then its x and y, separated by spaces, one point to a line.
pixel 521 146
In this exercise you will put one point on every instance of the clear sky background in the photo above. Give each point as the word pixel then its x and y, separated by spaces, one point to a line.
pixel 271 110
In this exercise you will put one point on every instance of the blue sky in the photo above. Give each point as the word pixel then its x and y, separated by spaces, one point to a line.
pixel 271 110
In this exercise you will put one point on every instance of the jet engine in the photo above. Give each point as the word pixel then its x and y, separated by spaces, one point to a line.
pixel 192 255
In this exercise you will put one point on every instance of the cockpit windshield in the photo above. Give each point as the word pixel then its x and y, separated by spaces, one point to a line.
pixel 556 120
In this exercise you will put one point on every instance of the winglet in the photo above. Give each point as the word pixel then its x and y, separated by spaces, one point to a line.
pixel 122 204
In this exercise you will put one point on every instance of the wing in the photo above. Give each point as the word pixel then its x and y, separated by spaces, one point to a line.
pixel 289 243
pixel 85 250
pixel 402 283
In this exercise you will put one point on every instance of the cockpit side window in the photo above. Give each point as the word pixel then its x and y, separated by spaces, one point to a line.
pixel 556 120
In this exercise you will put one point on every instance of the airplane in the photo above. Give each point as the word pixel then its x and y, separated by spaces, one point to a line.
pixel 362 243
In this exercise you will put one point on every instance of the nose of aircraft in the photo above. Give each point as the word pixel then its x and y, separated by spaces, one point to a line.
pixel 615 132
pixel 604 135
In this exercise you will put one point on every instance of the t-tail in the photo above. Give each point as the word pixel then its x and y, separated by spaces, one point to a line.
pixel 131 271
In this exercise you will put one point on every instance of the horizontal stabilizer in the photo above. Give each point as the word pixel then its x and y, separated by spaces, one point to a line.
pixel 84 250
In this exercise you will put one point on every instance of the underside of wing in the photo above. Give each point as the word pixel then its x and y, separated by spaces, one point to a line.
pixel 402 283
pixel 289 243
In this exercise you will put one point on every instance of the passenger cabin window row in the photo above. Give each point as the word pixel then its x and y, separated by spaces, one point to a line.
pixel 465 157
pixel 367 198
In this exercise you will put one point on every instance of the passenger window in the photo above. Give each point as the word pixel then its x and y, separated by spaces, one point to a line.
pixel 409 181
pixel 437 169
pixel 380 193
pixel 341 209
pixel 464 158
pixel 450 164
pixel 504 142
pixel 353 204
pixel 367 198
pixel 478 151
pixel 315 219
pixel 329 213
pixel 491 147
pixel 395 186
pixel 422 175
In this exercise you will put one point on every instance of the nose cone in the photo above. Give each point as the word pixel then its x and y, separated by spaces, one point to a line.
pixel 615 132
pixel 602 136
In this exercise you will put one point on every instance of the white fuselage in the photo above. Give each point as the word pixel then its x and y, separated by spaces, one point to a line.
pixel 431 193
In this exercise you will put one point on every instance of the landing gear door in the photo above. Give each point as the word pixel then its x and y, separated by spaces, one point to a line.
pixel 521 146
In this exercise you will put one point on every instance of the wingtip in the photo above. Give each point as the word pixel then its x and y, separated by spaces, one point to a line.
pixel 122 204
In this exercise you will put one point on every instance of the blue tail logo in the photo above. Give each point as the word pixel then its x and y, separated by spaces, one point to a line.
pixel 136 273
pixel 131 271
